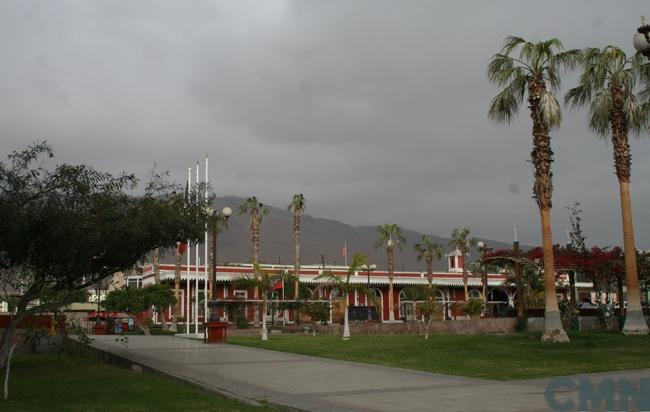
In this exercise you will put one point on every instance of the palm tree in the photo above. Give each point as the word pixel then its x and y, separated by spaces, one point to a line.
pixel 536 72
pixel 391 236
pixel 345 285
pixel 461 240
pixel 256 210
pixel 607 86
pixel 264 282
pixel 429 250
pixel 297 205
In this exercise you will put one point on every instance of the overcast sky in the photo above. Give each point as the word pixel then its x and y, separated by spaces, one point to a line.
pixel 374 110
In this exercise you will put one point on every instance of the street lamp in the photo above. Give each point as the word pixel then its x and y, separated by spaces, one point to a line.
pixel 368 269
pixel 217 218
pixel 641 38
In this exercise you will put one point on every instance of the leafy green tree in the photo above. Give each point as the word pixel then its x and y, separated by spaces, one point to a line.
pixel 344 284
pixel 318 312
pixel 297 206
pixel 535 71
pixel 461 240
pixel 390 236
pixel 608 86
pixel 426 306
pixel 429 250
pixel 67 227
pixel 263 281
pixel 135 301
pixel 256 210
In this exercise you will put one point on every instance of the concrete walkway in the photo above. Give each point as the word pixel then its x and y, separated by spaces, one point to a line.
pixel 317 384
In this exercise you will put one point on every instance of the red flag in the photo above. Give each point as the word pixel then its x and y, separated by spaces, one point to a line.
pixel 277 286
pixel 181 247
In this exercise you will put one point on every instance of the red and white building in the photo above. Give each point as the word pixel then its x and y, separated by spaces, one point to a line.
pixel 449 286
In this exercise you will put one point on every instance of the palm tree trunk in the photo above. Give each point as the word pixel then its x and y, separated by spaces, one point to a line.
pixel 430 272
pixel 635 323
pixel 177 291
pixel 465 278
pixel 553 330
pixel 346 323
pixel 265 335
pixel 542 159
pixel 391 312
pixel 296 252
pixel 156 266
pixel 255 241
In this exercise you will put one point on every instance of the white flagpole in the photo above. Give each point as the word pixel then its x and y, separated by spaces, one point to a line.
pixel 189 258
pixel 345 248
pixel 515 233
pixel 205 250
pixel 196 267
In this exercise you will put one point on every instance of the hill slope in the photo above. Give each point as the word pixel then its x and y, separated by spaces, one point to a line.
pixel 318 237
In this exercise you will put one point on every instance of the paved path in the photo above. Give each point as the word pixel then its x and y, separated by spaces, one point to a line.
pixel 317 384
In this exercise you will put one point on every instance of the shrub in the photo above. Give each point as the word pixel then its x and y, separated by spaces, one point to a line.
pixel 474 307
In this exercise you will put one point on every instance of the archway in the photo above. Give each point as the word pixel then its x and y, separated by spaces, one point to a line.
pixel 497 303
pixel 337 305
pixel 406 306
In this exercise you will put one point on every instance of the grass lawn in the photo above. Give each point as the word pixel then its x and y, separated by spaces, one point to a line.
pixel 502 357
pixel 73 383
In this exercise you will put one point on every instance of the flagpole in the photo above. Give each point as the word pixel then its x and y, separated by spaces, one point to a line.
pixel 205 250
pixel 189 258
pixel 196 266
pixel 345 246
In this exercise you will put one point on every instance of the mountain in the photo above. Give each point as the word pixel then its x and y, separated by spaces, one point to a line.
pixel 318 237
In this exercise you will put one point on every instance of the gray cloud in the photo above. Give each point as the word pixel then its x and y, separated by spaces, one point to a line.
pixel 375 110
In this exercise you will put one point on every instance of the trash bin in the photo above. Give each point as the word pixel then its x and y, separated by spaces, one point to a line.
pixel 215 332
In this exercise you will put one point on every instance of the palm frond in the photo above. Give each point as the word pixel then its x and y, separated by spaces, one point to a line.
pixel 578 96
pixel 505 105
pixel 601 106
pixel 558 63
pixel 549 110
pixel 633 113
pixel 500 69
pixel 510 43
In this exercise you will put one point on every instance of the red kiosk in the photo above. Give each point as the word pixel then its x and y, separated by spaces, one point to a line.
pixel 215 332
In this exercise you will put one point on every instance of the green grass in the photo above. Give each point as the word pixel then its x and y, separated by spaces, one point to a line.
pixel 502 357
pixel 73 383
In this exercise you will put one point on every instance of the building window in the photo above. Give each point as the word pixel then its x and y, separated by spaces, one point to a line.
pixel 240 294
pixel 134 282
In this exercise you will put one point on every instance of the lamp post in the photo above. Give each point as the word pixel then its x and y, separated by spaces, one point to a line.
pixel 641 38
pixel 217 218
pixel 368 269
